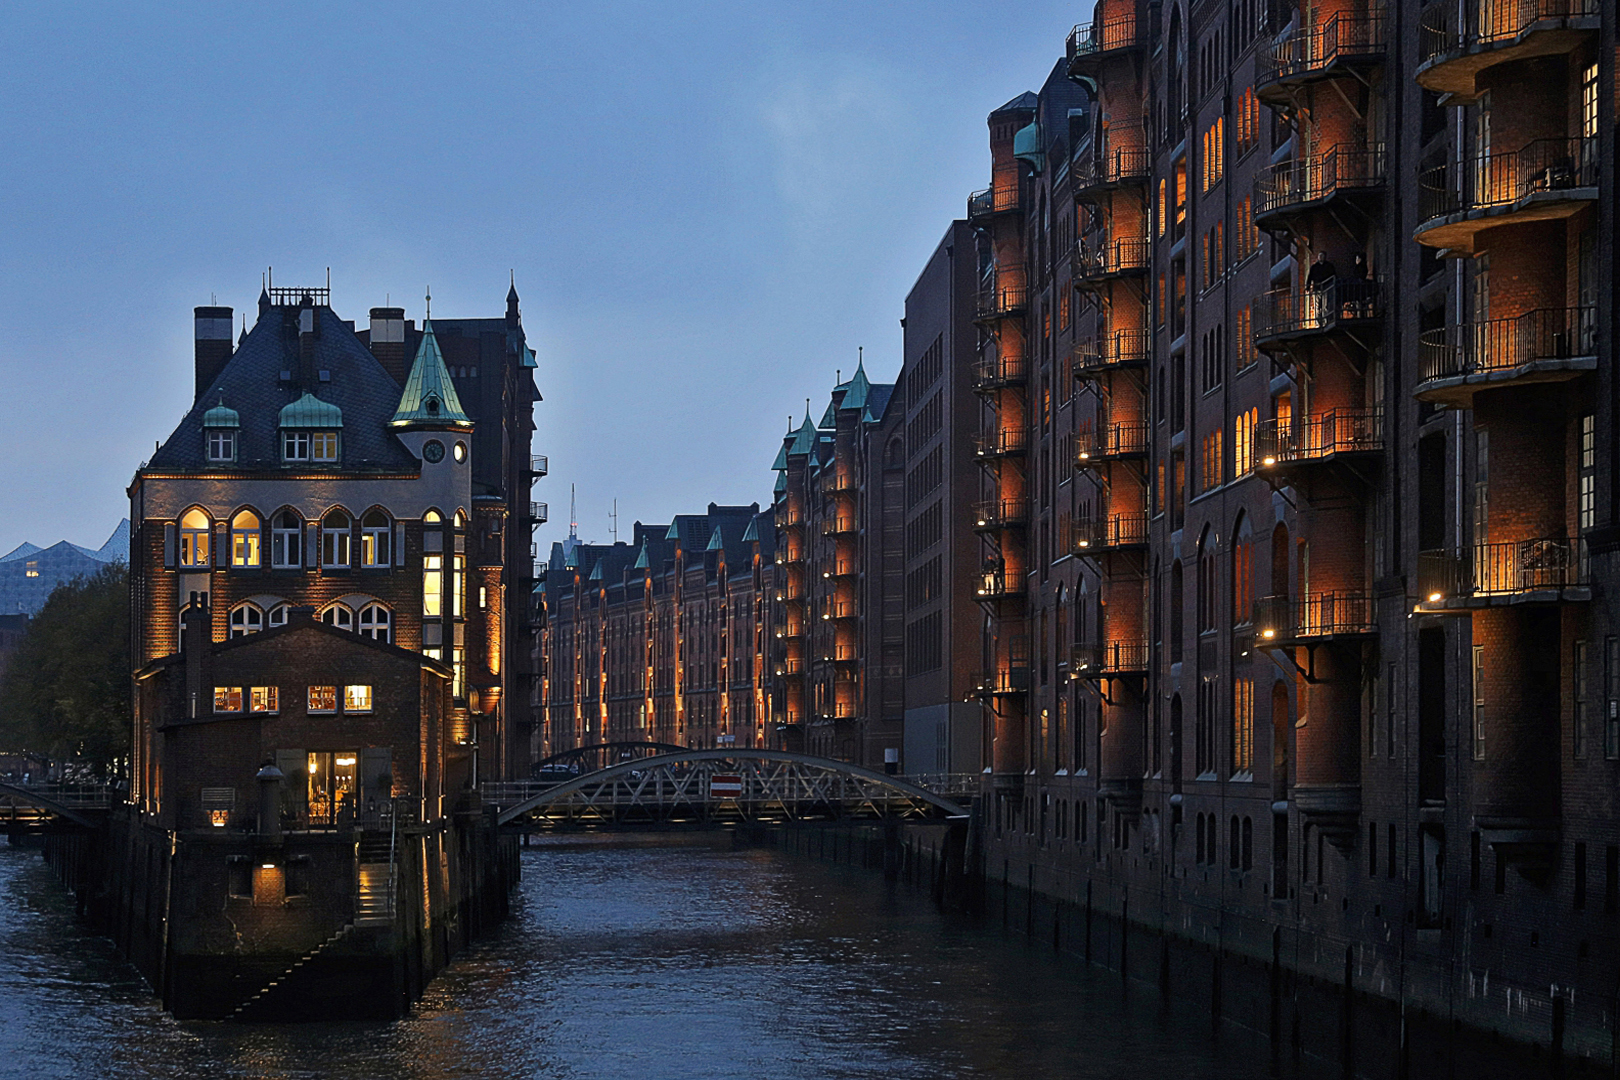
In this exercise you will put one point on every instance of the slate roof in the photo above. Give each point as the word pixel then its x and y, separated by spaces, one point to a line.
pixel 430 395
pixel 251 384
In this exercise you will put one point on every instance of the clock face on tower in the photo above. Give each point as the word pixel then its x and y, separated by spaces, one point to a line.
pixel 433 451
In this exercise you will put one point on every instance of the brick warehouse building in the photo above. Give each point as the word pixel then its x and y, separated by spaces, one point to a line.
pixel 663 639
pixel 1303 449
pixel 320 567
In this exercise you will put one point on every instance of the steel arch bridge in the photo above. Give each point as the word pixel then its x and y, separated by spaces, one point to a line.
pixel 698 786
pixel 584 759
pixel 34 805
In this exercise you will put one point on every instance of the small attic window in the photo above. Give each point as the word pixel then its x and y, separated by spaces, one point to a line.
pixel 431 405
pixel 221 445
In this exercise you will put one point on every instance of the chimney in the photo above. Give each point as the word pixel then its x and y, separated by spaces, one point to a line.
pixel 213 344
pixel 388 341
pixel 309 330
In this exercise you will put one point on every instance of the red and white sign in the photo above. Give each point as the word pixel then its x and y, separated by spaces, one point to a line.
pixel 725 787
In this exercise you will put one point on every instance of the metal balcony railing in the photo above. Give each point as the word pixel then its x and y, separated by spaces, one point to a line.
pixel 537 513
pixel 1000 513
pixel 1119 348
pixel 998 299
pixel 997 372
pixel 1501 569
pixel 538 466
pixel 787 516
pixel 840 609
pixel 1096 37
pixel 1094 260
pixel 1114 531
pixel 1124 155
pixel 1313 49
pixel 1282 618
pixel 998 583
pixel 1123 439
pixel 1503 344
pixel 1109 658
pixel 1501 180
pixel 1312 438
pixel 1001 198
pixel 1449 28
pixel 841 568
pixel 1342 303
pixel 835 481
pixel 790 666
pixel 1013 679
pixel 1001 443
pixel 837 524
pixel 1345 167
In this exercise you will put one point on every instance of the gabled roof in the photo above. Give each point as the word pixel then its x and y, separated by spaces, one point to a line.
pixel 805 441
pixel 1026 100
pixel 716 543
pixel 430 396
pixel 308 411
pixel 751 534
pixel 781 457
pixel 859 388
pixel 829 419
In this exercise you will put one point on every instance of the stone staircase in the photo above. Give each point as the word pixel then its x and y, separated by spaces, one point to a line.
pixel 374 892
pixel 245 1010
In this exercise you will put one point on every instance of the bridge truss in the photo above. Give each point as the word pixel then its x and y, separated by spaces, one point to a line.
pixel 697 786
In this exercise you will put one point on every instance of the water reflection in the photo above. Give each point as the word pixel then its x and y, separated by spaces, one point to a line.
pixel 630 960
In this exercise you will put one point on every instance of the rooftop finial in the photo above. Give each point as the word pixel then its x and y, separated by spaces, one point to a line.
pixel 428 313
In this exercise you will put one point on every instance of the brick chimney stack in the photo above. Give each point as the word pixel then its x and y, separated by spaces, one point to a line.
pixel 388 341
pixel 213 344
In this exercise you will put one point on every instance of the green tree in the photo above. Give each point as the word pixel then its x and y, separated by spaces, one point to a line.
pixel 66 692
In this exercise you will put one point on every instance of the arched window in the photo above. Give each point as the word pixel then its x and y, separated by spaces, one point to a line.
pixel 375 533
pixel 460 520
pixel 246 619
pixel 245 539
pixel 1207 579
pixel 432 517
pixel 335 535
pixel 376 623
pixel 285 545
pixel 278 615
pixel 194 529
pixel 1242 573
pixel 339 616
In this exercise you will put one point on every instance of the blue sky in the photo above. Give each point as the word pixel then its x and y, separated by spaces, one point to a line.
pixel 708 207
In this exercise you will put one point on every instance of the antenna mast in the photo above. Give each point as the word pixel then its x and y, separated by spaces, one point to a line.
pixel 614 517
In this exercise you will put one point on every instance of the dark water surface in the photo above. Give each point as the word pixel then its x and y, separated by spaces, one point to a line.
pixel 625 960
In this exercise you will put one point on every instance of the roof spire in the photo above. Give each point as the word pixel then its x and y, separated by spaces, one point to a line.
pixel 430 397
pixel 428 312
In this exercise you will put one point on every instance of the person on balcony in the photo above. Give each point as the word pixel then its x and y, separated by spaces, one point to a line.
pixel 1318 283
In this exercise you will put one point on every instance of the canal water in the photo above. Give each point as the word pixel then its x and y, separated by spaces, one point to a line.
pixel 643 960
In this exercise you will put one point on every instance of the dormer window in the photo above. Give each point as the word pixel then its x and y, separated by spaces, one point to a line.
pixel 221 446
pixel 319 446
pixel 323 446
pixel 309 431
pixel 295 446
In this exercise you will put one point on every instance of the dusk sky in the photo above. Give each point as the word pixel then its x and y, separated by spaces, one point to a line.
pixel 707 207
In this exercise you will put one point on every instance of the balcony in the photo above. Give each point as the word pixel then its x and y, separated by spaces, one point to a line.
pixel 1545 345
pixel 837 525
pixel 1000 199
pixel 999 299
pixel 1003 442
pixel 1457 43
pixel 789 593
pixel 1543 570
pixel 1547 180
pixel 1111 442
pixel 1344 305
pixel 997 514
pixel 1282 446
pixel 1124 158
pixel 841 568
pixel 788 517
pixel 840 609
pixel 836 481
pixel 1282 620
pixel 999 372
pixel 1109 660
pixel 1012 679
pixel 537 513
pixel 1293 187
pixel 538 466
pixel 1112 352
pixel 1097 263
pixel 1116 532
pixel 791 667
pixel 995 584
pixel 1090 44
pixel 1346 45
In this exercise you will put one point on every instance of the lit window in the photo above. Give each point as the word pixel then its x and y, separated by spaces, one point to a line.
pixel 245 539
pixel 432 516
pixel 194 528
pixel 221 445
pixel 432 585
pixel 458 584
pixel 278 615
pixel 374 622
pixel 264 699
pixel 460 451
pixel 460 520
pixel 323 446
pixel 357 699
pixel 295 446
pixel 458 672
pixel 322 699
pixel 246 619
pixel 335 536
pixel 227 699
pixel 339 616
pixel 31 568
pixel 375 534
pixel 483 598
pixel 285 545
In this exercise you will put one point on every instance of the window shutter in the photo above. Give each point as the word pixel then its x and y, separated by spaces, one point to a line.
pixel 169 545
pixel 399 543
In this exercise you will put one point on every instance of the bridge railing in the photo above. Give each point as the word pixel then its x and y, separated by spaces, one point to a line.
pixel 77 796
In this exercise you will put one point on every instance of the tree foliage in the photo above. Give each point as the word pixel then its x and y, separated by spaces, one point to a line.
pixel 66 692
